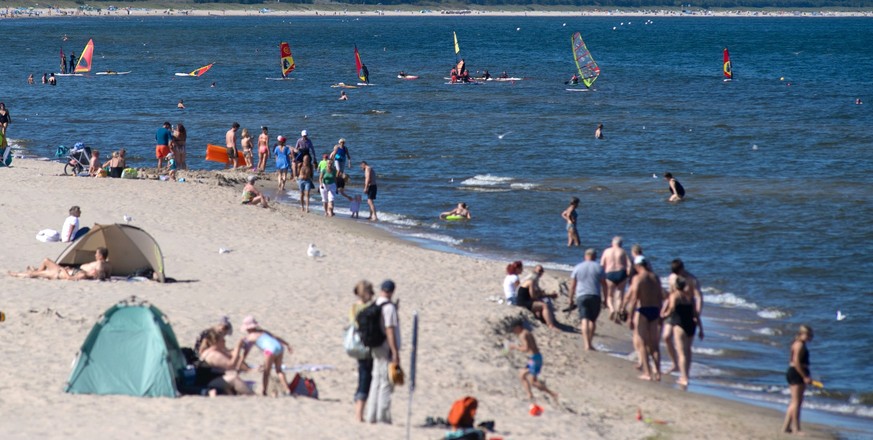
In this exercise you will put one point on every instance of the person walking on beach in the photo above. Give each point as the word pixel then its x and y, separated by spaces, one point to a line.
pixel 617 266
pixel 230 143
pixel 646 296
pixel 302 148
pixel 327 185
pixel 798 377
pixel 263 150
pixel 569 215
pixel 588 284
pixel 282 154
pixel 364 292
pixel 677 191
pixel 162 138
pixel 270 344
pixel 370 189
pixel 5 119
pixel 340 155
pixel 677 269
pixel 681 312
pixel 378 408
pixel 304 183
pixel 529 375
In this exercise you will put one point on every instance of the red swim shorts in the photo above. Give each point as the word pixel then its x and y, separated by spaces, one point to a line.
pixel 161 151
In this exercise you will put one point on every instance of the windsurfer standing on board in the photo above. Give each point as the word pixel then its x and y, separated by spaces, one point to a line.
pixel 365 74
pixel 574 80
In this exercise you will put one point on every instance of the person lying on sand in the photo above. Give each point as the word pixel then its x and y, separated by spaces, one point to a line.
pixel 95 270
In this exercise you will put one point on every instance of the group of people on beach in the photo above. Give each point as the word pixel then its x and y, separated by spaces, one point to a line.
pixel 298 163
pixel 171 147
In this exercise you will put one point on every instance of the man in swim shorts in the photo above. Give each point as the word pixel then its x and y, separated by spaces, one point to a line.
pixel 588 284
pixel 617 266
pixel 370 189
pixel 646 296
pixel 230 143
pixel 98 269
pixel 163 137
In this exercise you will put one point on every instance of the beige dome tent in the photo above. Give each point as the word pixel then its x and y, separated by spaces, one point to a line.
pixel 131 250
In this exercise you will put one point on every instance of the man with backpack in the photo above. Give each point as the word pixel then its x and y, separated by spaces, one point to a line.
pixel 384 340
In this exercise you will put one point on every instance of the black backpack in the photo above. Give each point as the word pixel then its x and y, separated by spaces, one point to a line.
pixel 370 325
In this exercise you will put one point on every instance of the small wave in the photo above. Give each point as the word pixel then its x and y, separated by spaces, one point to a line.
pixel 375 112
pixel 772 314
pixel 337 115
pixel 730 300
pixel 523 186
pixel 746 387
pixel 436 237
pixel 486 180
pixel 767 331
pixel 707 351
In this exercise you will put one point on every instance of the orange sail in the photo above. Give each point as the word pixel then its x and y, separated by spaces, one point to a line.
pixel 202 70
pixel 359 65
pixel 286 59
pixel 84 64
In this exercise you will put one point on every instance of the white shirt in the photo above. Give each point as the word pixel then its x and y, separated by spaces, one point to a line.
pixel 510 286
pixel 67 234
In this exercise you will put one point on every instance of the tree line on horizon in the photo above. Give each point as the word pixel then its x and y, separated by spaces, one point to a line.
pixel 637 4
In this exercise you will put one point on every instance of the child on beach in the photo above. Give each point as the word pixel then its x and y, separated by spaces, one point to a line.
pixel 247 143
pixel 355 206
pixel 269 344
pixel 171 164
pixel 529 375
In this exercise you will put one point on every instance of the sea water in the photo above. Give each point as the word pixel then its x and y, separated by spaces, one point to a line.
pixel 776 163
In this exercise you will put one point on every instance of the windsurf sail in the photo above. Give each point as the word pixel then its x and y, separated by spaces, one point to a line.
pixel 359 65
pixel 84 64
pixel 728 71
pixel 457 48
pixel 286 59
pixel 201 70
pixel 588 69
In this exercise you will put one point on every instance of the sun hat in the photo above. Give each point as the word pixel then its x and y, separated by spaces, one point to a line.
pixel 249 323
pixel 303 133
pixel 281 138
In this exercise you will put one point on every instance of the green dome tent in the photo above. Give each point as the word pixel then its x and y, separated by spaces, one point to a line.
pixel 131 350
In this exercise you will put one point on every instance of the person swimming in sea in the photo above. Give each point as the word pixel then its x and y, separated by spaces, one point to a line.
pixel 460 211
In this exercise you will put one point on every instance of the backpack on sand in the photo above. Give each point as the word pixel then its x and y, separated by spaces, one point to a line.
pixel 303 386
pixel 370 325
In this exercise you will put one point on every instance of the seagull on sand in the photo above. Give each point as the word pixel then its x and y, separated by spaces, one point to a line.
pixel 127 218
pixel 313 251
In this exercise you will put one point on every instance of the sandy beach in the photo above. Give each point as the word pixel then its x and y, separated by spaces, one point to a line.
pixel 306 301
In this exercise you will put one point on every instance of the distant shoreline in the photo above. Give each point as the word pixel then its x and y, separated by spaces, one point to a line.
pixel 238 10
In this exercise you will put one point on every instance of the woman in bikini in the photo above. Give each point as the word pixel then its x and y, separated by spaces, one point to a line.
pixel 569 215
pixel 98 269
pixel 263 150
pixel 180 137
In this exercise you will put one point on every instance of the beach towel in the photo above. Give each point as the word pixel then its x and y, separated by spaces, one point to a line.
pixel 48 235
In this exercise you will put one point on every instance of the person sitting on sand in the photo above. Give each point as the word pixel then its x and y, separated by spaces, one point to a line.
pixel 535 299
pixel 94 168
pixel 215 354
pixel 459 211
pixel 511 282
pixel 269 344
pixel 530 374
pixel 98 269
pixel 251 195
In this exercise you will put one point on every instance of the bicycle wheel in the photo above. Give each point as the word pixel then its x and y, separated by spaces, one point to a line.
pixel 72 170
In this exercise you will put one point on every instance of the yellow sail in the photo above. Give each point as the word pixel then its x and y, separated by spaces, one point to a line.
pixel 457 48
pixel 286 59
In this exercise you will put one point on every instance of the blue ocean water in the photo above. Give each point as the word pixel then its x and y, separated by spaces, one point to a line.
pixel 776 163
